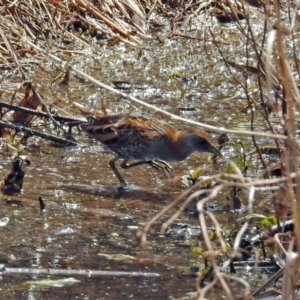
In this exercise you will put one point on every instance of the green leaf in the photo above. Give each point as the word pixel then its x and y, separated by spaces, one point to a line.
pixel 197 250
pixel 196 174
pixel 269 221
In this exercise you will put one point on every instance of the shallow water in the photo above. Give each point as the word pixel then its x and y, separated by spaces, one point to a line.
pixel 84 225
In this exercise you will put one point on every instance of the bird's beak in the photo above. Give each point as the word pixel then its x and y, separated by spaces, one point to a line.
pixel 212 149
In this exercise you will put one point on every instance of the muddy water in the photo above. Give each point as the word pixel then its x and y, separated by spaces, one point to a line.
pixel 84 226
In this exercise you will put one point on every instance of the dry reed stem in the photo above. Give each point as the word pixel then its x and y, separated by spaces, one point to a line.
pixel 98 14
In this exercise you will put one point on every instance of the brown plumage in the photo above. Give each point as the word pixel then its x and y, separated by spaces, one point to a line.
pixel 148 141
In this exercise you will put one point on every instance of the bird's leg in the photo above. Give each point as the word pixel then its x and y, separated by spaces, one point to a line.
pixel 117 173
pixel 125 165
pixel 156 164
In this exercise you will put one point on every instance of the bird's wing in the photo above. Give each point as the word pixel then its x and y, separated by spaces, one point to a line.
pixel 143 127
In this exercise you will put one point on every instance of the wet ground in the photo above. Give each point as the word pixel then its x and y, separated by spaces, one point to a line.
pixel 84 226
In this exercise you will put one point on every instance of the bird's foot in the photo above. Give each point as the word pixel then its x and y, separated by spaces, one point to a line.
pixel 121 190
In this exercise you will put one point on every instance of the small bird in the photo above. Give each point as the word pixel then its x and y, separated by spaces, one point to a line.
pixel 142 139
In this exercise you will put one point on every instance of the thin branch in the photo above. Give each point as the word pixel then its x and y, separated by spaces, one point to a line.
pixel 37 133
pixel 39 113
pixel 68 272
